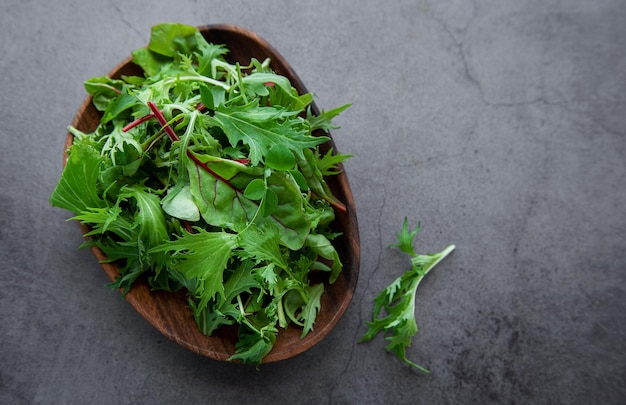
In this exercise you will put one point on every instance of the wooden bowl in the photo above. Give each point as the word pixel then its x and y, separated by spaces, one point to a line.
pixel 168 312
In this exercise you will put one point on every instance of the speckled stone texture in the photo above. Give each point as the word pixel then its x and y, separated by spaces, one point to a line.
pixel 500 125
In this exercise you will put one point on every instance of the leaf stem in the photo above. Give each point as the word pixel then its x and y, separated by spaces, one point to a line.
pixel 198 78
pixel 137 122
pixel 170 132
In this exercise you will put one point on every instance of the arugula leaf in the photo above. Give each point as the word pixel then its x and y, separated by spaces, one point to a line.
pixel 103 90
pixel 398 299
pixel 323 121
pixel 310 169
pixel 261 131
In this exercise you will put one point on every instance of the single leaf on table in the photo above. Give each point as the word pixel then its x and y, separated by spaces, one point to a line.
pixel 398 299
pixel 405 238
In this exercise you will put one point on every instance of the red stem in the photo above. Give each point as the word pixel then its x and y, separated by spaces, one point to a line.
pixel 137 122
pixel 170 132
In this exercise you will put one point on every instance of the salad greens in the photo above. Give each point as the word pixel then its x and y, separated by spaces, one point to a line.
pixel 206 176
pixel 398 299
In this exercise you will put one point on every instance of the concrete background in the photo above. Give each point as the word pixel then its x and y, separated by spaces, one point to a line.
pixel 500 125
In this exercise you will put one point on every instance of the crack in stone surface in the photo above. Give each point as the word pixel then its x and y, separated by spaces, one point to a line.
pixel 460 45
pixel 363 315
pixel 127 23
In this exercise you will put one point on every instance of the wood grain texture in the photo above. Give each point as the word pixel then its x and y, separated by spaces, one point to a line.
pixel 168 312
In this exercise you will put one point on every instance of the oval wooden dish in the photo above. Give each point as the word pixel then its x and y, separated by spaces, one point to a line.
pixel 169 312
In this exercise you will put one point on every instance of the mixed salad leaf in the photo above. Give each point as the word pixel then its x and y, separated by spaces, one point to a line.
pixel 206 176
pixel 397 321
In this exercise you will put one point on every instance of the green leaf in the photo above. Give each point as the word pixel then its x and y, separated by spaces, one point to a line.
pixel 212 97
pixel 269 203
pixel 285 95
pixel 150 62
pixel 148 217
pixel 103 90
pixel 203 256
pixel 323 121
pixel 262 245
pixel 405 238
pixel 77 190
pixel 180 204
pixel 119 104
pixel 259 132
pixel 398 299
pixel 279 157
pixel 255 190
pixel 169 39
pixel 328 164
pixel 268 275
pixel 242 280
pixel 115 145
pixel 109 219
pixel 252 347
pixel 320 245
pixel 298 177
pixel 308 165
pixel 219 195
pixel 312 307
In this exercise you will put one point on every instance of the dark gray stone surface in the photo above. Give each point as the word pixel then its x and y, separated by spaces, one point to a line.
pixel 501 125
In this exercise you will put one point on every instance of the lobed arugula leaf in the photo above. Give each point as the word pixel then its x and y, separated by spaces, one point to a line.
pixel 323 121
pixel 260 132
